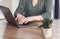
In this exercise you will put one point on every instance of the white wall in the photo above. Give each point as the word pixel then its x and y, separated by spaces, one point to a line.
pixel 11 4
pixel 6 3
pixel 0 10
pixel 14 5
pixel 53 9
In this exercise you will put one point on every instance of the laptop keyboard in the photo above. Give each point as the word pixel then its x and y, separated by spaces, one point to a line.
pixel 28 24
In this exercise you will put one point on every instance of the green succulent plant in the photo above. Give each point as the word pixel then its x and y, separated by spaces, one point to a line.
pixel 47 23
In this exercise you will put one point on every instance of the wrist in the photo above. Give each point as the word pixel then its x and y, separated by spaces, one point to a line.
pixel 38 18
pixel 35 18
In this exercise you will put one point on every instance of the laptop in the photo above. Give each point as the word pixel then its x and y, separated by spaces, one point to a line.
pixel 10 18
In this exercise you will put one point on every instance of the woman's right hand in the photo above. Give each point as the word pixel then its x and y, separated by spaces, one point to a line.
pixel 19 17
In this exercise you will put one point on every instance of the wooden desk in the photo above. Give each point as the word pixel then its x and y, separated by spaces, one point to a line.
pixel 8 31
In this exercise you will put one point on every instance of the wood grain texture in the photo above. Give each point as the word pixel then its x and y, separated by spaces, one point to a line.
pixel 8 31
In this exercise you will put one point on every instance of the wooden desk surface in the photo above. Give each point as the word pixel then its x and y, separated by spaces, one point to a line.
pixel 8 31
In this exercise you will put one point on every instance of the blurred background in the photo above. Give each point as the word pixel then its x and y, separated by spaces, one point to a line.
pixel 12 5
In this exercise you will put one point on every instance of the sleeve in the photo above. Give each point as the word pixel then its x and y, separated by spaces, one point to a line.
pixel 20 8
pixel 48 7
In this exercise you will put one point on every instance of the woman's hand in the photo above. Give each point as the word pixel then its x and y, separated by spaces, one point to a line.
pixel 33 18
pixel 30 19
pixel 26 20
pixel 19 17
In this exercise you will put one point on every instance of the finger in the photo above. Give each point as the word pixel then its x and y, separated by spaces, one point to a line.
pixel 19 22
pixel 16 18
pixel 22 21
pixel 19 19
pixel 27 21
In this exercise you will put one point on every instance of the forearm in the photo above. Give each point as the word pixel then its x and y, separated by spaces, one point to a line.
pixel 37 18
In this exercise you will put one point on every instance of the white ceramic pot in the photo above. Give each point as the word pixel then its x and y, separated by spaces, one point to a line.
pixel 47 32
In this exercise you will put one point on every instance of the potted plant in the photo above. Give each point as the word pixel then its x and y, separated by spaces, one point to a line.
pixel 46 28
